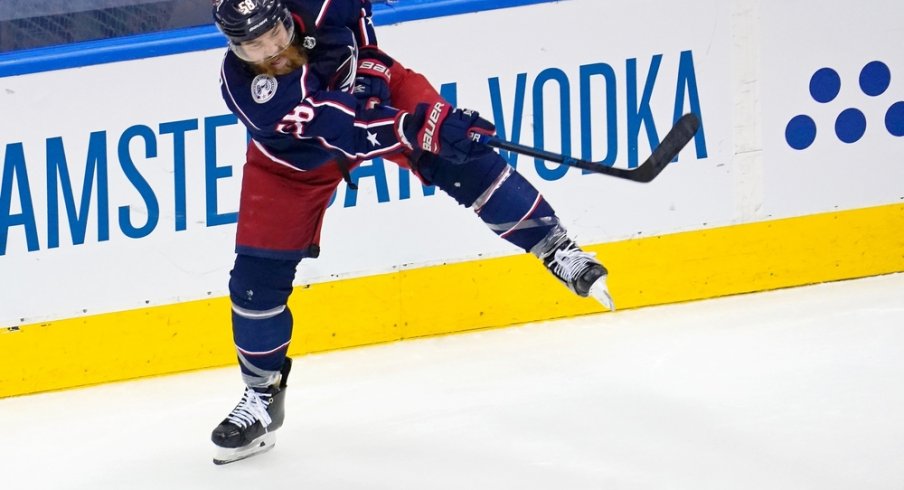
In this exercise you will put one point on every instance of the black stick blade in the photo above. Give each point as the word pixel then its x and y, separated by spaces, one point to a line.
pixel 676 139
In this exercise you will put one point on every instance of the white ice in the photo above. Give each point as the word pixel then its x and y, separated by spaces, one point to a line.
pixel 794 389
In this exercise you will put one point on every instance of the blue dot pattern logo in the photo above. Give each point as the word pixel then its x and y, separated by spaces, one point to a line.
pixel 875 78
pixel 825 85
pixel 801 132
pixel 851 123
pixel 894 119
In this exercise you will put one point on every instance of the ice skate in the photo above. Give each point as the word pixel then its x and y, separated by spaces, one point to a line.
pixel 249 428
pixel 578 270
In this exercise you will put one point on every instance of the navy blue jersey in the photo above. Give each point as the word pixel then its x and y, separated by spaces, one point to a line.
pixel 308 117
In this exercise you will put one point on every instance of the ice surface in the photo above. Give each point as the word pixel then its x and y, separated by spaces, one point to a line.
pixel 794 389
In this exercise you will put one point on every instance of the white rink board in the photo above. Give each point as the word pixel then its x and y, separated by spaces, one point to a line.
pixel 382 231
pixel 831 173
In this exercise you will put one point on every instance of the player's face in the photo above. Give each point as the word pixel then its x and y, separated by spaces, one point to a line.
pixel 264 48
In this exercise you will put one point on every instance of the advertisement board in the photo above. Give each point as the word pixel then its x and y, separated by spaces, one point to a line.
pixel 120 181
pixel 832 106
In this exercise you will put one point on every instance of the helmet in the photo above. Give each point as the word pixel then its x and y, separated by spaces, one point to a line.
pixel 245 20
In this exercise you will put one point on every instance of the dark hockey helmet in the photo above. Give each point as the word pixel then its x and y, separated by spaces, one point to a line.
pixel 245 20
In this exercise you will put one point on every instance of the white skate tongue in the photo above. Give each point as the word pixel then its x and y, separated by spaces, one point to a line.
pixel 600 292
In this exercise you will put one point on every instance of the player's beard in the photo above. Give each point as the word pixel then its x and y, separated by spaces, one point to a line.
pixel 288 61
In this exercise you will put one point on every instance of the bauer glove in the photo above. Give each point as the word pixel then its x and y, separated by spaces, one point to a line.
pixel 442 130
pixel 372 79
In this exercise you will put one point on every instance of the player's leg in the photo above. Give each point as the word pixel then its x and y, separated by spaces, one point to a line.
pixel 517 212
pixel 503 199
pixel 279 223
pixel 262 328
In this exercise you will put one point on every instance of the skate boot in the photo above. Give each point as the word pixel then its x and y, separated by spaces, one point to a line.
pixel 577 269
pixel 249 428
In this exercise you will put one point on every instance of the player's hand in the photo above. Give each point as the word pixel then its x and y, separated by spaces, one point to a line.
pixel 445 131
pixel 372 79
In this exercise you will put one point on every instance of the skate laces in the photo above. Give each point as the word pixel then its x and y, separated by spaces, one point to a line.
pixel 570 261
pixel 251 408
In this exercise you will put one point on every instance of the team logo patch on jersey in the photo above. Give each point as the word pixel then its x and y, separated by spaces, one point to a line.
pixel 263 88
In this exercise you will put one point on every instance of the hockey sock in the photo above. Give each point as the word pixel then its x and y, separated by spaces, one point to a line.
pixel 501 197
pixel 261 321
pixel 515 210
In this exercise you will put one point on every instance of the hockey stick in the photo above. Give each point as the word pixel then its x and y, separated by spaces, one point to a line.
pixel 679 136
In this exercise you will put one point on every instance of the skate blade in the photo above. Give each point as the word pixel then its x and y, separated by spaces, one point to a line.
pixel 600 292
pixel 262 444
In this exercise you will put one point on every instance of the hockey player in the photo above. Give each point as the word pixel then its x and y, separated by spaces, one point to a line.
pixel 318 96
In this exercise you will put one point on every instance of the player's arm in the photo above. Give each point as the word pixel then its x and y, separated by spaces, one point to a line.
pixel 352 14
pixel 344 125
pixel 373 74
pixel 361 23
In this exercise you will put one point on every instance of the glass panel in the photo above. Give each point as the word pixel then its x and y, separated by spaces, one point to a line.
pixel 26 24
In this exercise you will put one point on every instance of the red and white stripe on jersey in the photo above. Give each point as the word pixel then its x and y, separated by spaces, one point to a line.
pixel 303 82
pixel 365 31
pixel 329 103
pixel 274 158
pixel 322 14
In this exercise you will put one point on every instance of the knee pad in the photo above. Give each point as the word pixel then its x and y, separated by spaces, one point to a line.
pixel 260 284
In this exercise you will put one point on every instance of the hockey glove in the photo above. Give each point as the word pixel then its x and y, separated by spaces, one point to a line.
pixel 372 79
pixel 446 132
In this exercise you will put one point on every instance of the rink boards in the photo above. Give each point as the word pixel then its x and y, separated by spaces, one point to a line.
pixel 119 187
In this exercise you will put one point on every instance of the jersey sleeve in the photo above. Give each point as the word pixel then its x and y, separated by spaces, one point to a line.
pixel 340 123
pixel 364 26
pixel 352 14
